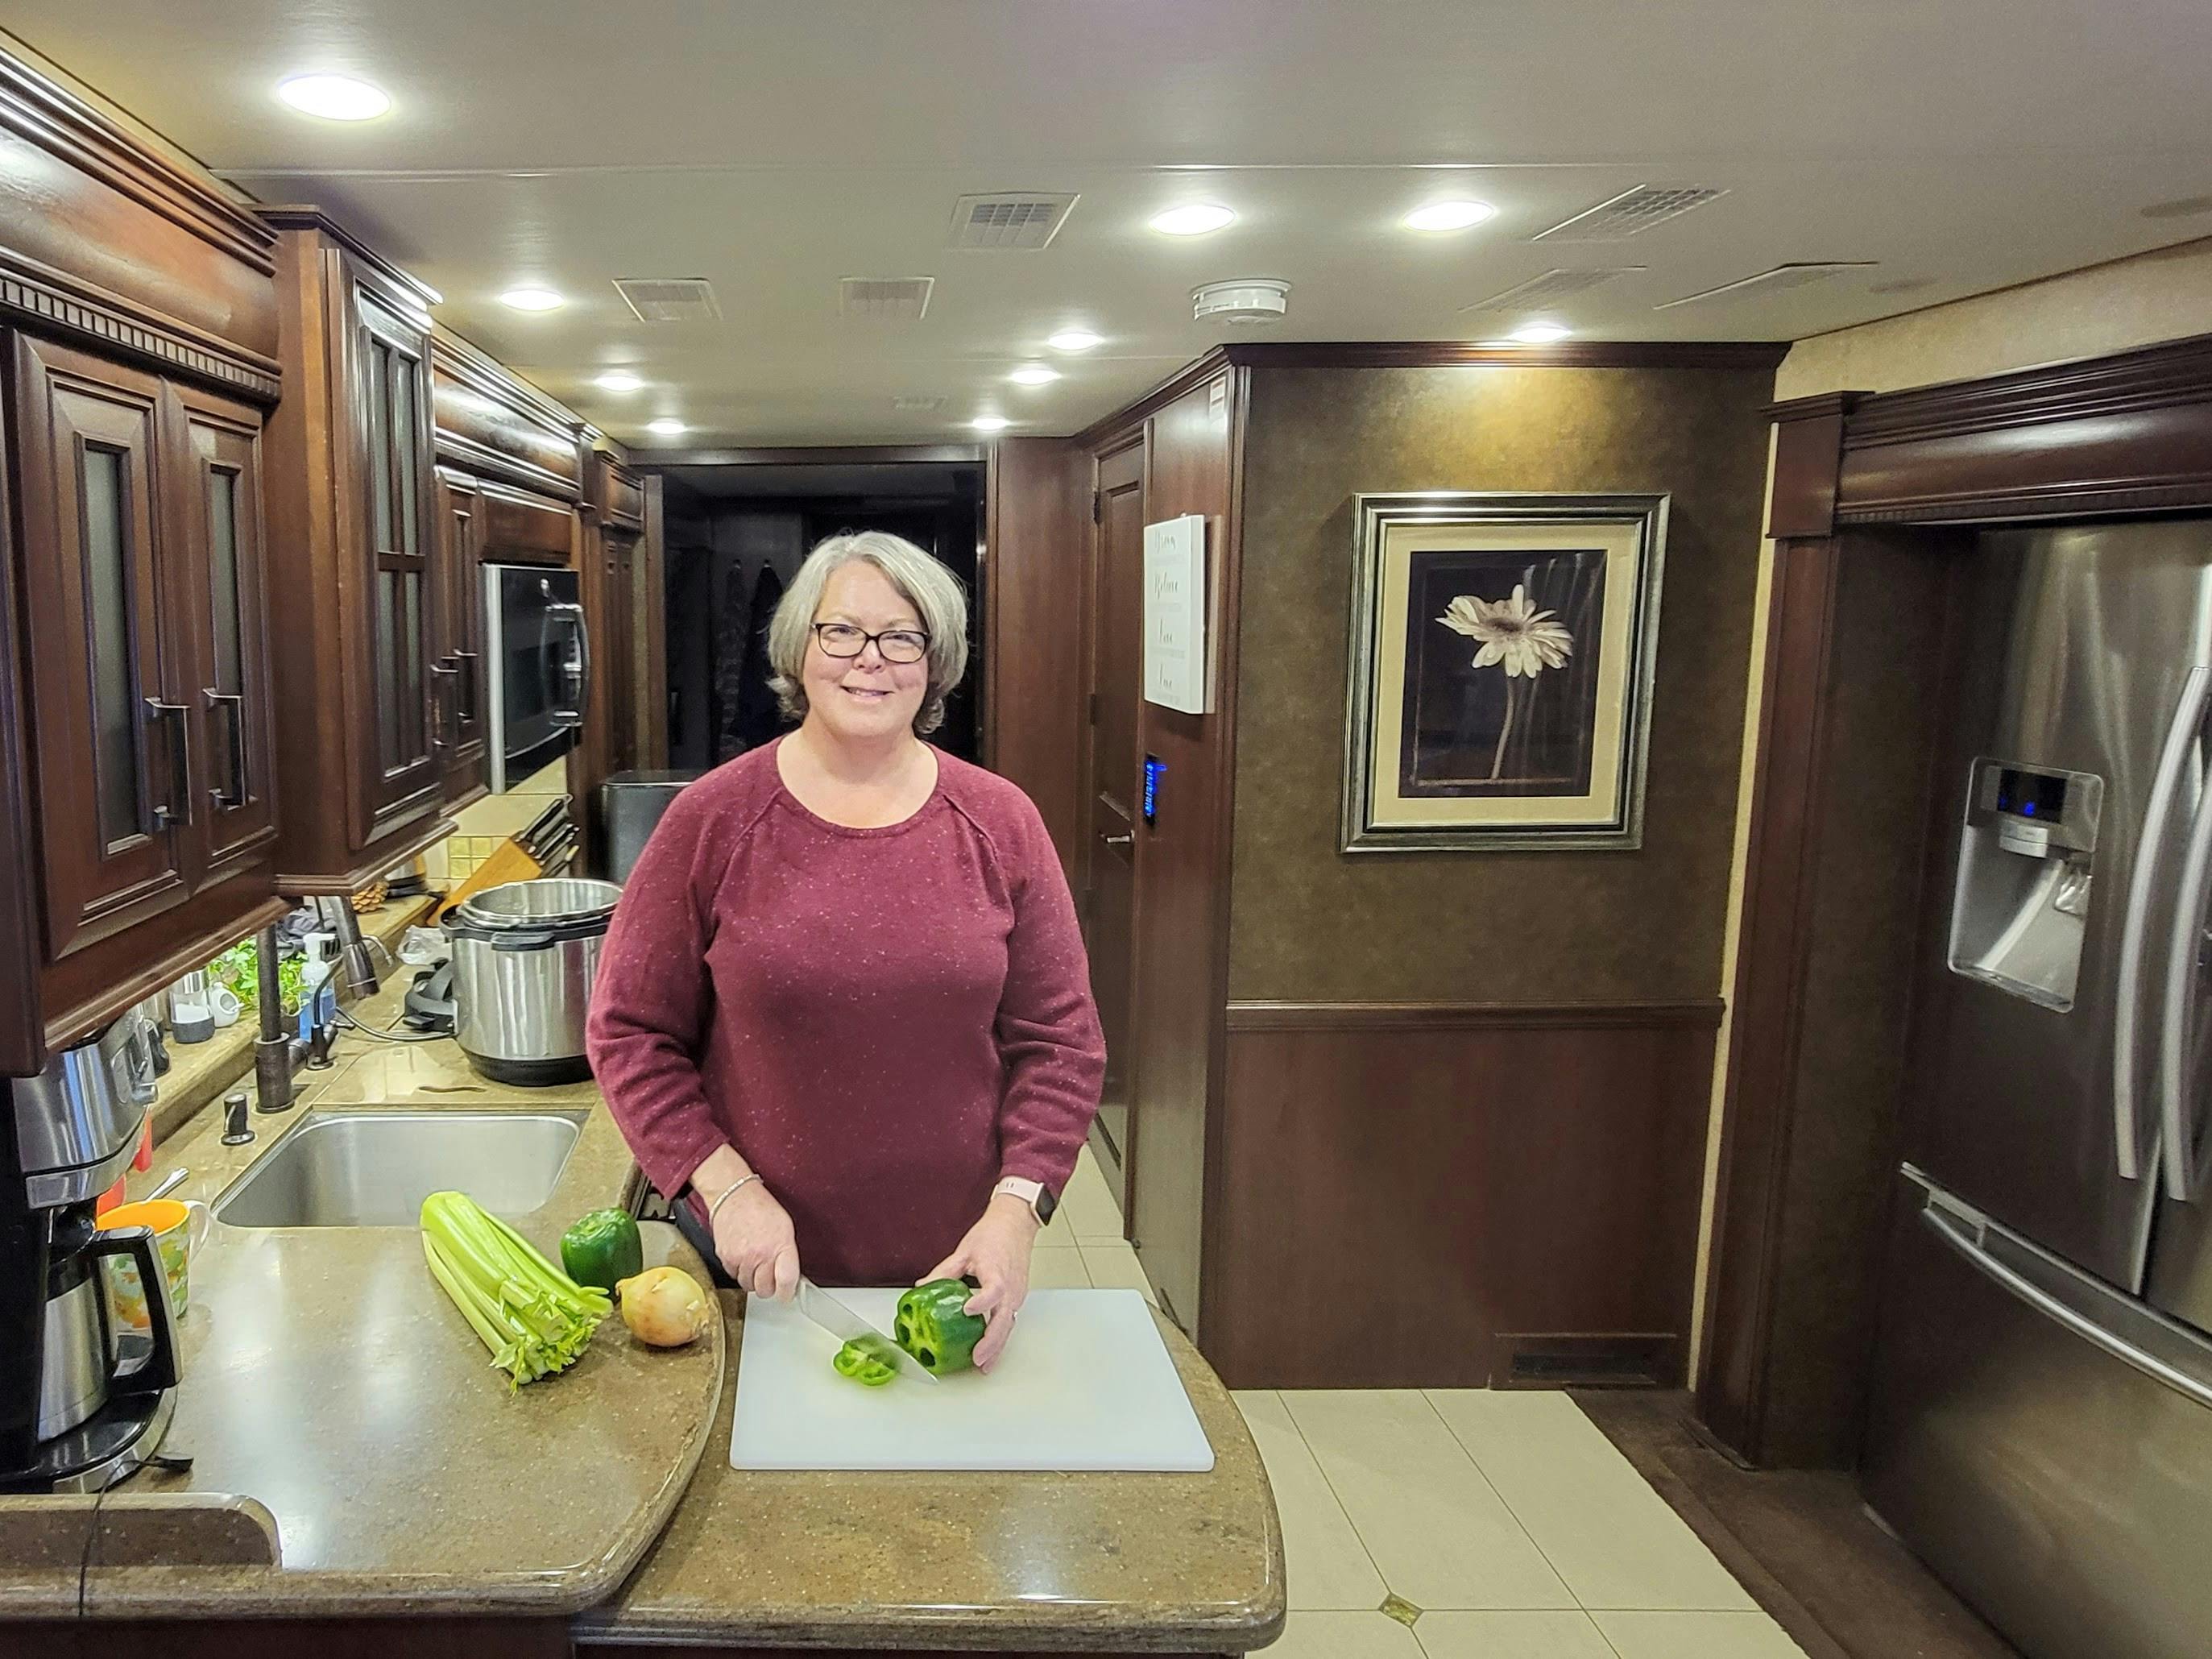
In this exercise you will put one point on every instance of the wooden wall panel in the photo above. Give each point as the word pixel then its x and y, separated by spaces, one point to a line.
pixel 1181 929
pixel 1406 1186
pixel 1038 526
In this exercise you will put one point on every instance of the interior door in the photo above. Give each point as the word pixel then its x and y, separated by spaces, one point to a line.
pixel 394 404
pixel 457 674
pixel 111 728
pixel 1112 764
pixel 221 587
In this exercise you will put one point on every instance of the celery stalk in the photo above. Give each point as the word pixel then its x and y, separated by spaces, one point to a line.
pixel 533 1318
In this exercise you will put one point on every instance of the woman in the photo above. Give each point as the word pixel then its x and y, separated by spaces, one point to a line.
pixel 844 1001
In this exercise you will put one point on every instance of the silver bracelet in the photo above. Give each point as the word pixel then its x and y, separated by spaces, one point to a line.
pixel 714 1208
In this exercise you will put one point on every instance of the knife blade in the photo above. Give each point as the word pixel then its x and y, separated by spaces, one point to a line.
pixel 841 1322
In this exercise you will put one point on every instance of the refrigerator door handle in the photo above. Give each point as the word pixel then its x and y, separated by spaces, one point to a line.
pixel 2177 1033
pixel 2118 1325
pixel 2188 715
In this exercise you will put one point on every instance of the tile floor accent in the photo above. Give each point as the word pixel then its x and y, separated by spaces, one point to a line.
pixel 1503 1525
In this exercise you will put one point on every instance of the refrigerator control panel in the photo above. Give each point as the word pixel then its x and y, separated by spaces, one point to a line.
pixel 2027 868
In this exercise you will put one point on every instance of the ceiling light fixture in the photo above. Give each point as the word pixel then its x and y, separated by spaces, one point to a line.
pixel 1540 333
pixel 1194 219
pixel 1074 340
pixel 1033 374
pixel 334 97
pixel 619 379
pixel 990 424
pixel 667 427
pixel 531 299
pixel 1449 215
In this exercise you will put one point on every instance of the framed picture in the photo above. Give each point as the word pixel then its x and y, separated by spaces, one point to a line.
pixel 1500 689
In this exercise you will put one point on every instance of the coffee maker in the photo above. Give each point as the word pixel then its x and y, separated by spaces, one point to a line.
pixel 82 1401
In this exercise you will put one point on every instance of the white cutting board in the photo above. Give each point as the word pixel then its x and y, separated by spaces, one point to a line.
pixel 1087 1384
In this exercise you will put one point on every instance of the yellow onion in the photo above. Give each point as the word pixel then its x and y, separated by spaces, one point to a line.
pixel 664 1307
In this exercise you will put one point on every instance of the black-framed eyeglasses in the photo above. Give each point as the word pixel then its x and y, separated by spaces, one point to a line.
pixel 899 645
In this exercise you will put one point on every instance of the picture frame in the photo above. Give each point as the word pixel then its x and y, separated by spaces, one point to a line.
pixel 1498 693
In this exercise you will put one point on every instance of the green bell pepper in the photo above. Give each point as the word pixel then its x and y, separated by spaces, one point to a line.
pixel 864 1360
pixel 934 1325
pixel 603 1249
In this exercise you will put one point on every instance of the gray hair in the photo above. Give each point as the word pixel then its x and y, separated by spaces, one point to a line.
pixel 934 592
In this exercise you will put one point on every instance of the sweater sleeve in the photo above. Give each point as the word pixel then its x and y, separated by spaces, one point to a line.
pixel 650 1005
pixel 1049 1035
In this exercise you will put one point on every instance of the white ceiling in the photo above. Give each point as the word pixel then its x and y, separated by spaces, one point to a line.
pixel 775 148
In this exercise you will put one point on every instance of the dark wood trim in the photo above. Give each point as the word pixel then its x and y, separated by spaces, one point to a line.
pixel 824 454
pixel 1772 948
pixel 1807 453
pixel 1118 430
pixel 65 126
pixel 22 1044
pixel 1460 354
pixel 292 215
pixel 2129 433
pixel 1703 1014
pixel 388 854
pixel 61 303
pixel 1456 1189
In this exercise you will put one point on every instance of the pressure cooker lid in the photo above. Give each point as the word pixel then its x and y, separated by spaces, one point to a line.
pixel 550 901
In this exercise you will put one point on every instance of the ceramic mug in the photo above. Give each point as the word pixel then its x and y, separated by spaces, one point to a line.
pixel 223 1006
pixel 178 1227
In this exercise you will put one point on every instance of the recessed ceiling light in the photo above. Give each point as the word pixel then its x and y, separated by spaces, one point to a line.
pixel 667 426
pixel 619 379
pixel 1074 340
pixel 531 299
pixel 1449 215
pixel 1033 374
pixel 334 97
pixel 990 424
pixel 1194 219
pixel 1540 333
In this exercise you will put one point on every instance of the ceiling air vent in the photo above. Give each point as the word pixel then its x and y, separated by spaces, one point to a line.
pixel 1547 290
pixel 1629 214
pixel 1019 221
pixel 1777 280
pixel 669 299
pixel 902 299
pixel 918 405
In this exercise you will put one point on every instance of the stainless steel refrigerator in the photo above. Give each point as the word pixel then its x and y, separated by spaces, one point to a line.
pixel 2040 1427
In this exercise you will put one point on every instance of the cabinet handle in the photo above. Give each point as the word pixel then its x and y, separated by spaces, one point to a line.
pixel 1119 841
pixel 169 815
pixel 232 706
pixel 465 691
pixel 439 725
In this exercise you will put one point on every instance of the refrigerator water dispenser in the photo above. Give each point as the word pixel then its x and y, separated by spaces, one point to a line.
pixel 2026 858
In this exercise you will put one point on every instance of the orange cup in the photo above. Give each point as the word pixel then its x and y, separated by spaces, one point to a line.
pixel 177 1227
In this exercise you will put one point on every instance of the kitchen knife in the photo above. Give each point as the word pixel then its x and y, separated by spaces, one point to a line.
pixel 841 1322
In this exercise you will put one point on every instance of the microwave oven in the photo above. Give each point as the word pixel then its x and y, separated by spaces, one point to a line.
pixel 541 668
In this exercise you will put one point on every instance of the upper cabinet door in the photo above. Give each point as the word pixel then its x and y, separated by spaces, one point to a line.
pixel 221 587
pixel 460 668
pixel 112 730
pixel 393 402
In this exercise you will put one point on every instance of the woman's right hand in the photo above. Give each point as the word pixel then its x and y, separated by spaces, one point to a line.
pixel 754 1238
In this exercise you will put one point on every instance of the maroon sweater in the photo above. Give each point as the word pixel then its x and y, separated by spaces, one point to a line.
pixel 883 1022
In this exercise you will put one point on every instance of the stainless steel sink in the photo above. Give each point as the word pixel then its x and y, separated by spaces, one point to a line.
pixel 374 1169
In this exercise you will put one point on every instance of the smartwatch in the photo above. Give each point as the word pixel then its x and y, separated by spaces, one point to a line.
pixel 1035 1193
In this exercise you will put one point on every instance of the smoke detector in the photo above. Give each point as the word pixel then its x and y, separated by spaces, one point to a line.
pixel 1248 300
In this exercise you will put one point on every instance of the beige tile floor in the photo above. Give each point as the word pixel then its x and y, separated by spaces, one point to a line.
pixel 1502 1525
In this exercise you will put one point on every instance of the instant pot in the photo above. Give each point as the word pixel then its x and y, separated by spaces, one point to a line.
pixel 525 956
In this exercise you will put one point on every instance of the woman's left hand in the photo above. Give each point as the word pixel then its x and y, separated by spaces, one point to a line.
pixel 996 1254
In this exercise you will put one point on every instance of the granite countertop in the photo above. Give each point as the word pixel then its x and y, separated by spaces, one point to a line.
pixel 329 1381
pixel 333 1396
pixel 1038 1562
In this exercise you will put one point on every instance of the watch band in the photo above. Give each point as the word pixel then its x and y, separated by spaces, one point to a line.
pixel 1035 1193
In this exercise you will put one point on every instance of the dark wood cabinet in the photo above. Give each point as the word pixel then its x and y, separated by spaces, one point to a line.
pixel 367 720
pixel 151 798
pixel 457 674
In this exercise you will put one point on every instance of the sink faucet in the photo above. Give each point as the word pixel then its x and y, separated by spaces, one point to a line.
pixel 277 1052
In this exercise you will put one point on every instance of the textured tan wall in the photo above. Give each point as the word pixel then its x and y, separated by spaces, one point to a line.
pixel 1309 923
pixel 2166 295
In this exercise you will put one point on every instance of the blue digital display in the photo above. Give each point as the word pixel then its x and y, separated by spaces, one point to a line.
pixel 1154 771
pixel 2031 795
